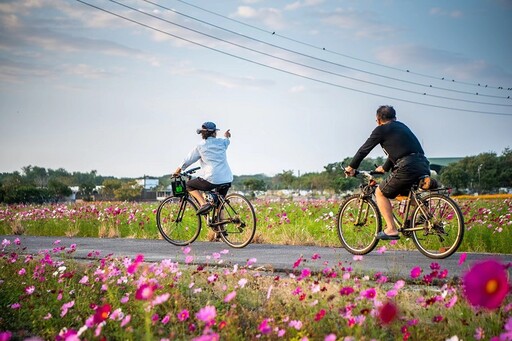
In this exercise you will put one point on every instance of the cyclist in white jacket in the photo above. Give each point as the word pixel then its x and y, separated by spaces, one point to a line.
pixel 211 153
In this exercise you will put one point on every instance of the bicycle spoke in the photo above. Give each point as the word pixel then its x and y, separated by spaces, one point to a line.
pixel 358 222
pixel 238 221
pixel 177 221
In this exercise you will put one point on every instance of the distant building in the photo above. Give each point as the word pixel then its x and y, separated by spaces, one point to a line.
pixel 148 183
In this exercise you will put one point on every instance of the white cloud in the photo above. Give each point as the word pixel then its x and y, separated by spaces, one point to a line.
pixel 364 24
pixel 270 17
pixel 304 3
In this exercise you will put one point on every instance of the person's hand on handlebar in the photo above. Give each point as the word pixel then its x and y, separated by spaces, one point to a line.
pixel 349 171
pixel 227 134
pixel 380 169
pixel 177 172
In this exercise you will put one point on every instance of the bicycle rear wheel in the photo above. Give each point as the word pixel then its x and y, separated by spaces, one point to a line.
pixel 240 221
pixel 443 226
pixel 358 222
pixel 177 221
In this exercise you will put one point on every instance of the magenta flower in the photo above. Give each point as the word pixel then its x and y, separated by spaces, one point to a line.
pixel 462 258
pixel 345 291
pixel 416 272
pixel 5 336
pixel 207 314
pixel 264 327
pixel 183 315
pixel 388 312
pixel 102 313
pixel 132 268
pixel 369 293
pixel 486 284
pixel 145 292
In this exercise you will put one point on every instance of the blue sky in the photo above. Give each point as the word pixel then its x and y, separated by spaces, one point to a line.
pixel 297 82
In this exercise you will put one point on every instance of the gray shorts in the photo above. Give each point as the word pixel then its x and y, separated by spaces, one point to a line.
pixel 407 172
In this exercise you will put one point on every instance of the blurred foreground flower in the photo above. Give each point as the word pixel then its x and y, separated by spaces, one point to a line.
pixel 486 284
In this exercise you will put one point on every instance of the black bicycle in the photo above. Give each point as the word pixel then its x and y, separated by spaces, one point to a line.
pixel 232 218
pixel 429 216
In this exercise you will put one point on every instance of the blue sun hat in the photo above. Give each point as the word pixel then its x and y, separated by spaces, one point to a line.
pixel 207 126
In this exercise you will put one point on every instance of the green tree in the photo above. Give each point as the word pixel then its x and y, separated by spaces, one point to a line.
pixel 129 191
pixel 110 186
pixel 253 184
pixel 86 190
pixel 58 190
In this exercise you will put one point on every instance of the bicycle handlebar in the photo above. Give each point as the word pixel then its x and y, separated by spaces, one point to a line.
pixel 188 172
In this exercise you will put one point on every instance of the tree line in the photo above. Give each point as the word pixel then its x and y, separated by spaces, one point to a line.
pixel 483 173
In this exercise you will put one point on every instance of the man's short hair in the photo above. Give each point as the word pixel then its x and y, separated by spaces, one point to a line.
pixel 386 113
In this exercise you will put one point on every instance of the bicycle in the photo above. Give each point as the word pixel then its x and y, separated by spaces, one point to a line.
pixel 435 224
pixel 232 218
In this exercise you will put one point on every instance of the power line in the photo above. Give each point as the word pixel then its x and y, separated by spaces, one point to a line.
pixel 323 60
pixel 304 65
pixel 286 71
pixel 274 33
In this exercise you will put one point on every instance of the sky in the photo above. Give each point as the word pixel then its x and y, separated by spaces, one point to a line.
pixel 121 87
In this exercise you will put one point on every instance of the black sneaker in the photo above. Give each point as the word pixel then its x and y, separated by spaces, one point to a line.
pixel 204 209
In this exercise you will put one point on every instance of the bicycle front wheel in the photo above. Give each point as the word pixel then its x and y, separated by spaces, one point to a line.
pixel 443 226
pixel 358 222
pixel 238 221
pixel 177 221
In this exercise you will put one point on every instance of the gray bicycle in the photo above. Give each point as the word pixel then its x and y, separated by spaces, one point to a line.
pixel 232 218
pixel 430 218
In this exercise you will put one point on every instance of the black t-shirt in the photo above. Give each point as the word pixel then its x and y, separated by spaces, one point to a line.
pixel 395 138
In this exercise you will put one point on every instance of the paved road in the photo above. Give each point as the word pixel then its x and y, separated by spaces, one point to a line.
pixel 277 258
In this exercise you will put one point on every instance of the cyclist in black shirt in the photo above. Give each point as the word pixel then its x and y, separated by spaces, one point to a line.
pixel 405 159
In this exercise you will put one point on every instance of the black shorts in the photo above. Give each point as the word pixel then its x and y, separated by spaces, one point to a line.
pixel 203 185
pixel 407 172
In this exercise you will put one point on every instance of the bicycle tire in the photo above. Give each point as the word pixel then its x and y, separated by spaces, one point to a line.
pixel 240 226
pixel 448 227
pixel 179 231
pixel 358 240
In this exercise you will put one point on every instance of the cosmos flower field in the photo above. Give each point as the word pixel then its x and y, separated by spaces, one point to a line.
pixel 51 296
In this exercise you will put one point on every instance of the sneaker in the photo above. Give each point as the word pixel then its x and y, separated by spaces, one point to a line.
pixel 204 209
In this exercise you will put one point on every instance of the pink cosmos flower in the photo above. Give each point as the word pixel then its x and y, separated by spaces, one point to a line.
pixel 30 290
pixel 451 302
pixel 183 315
pixel 22 271
pixel 416 272
pixel 479 333
pixel 230 296
pixel 330 337
pixel 65 307
pixel 356 258
pixel 207 314
pixel 145 292
pixel 133 267
pixel 486 284
pixel 251 261
pixel 166 319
